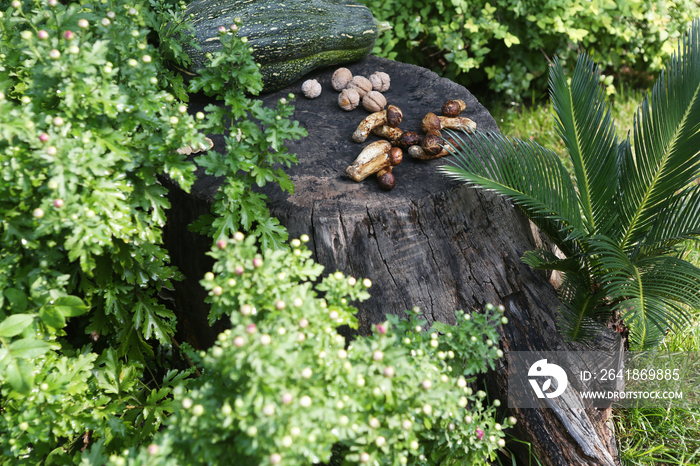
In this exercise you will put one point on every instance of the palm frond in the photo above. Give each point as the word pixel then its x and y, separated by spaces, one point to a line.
pixel 676 223
pixel 666 137
pixel 542 259
pixel 650 294
pixel 531 176
pixel 582 310
pixel 584 123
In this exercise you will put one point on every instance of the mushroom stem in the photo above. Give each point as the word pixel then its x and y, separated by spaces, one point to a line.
pixel 373 158
pixel 462 123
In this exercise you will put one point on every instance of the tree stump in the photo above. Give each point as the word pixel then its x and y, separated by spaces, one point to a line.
pixel 430 242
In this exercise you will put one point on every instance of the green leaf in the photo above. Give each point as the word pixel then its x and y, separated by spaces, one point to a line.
pixel 52 316
pixel 19 374
pixel 70 306
pixel 15 324
pixel 28 348
pixel 585 125
pixel 18 300
pixel 524 172
pixel 666 132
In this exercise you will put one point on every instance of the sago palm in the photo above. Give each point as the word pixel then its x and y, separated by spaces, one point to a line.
pixel 631 205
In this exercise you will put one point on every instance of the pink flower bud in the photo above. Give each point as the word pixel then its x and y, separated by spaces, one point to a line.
pixel 58 203
pixel 378 355
pixel 239 341
pixel 479 433
pixel 239 270
pixel 257 262
pixel 251 328
pixel 381 328
pixel 54 54
pixel 287 398
pixel 42 35
pixel 68 35
pixel 303 323
pixel 43 137
pixel 222 30
pixel 221 244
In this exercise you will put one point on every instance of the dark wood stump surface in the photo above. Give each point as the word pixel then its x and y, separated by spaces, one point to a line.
pixel 430 242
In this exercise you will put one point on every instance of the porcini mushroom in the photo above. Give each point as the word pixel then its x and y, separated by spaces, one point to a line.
pixel 386 179
pixel 373 158
pixel 391 116
pixel 462 123
pixel 452 108
pixel 430 122
pixel 387 132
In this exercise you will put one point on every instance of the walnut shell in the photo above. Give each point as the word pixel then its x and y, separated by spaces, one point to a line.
pixel 311 89
pixel 348 99
pixel 360 84
pixel 341 78
pixel 380 81
pixel 374 101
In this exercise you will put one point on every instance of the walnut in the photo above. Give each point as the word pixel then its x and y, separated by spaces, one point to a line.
pixel 348 99
pixel 311 88
pixel 360 84
pixel 380 81
pixel 341 78
pixel 374 101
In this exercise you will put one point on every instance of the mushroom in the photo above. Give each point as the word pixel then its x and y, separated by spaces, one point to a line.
pixel 389 133
pixel 348 100
pixel 374 101
pixel 430 122
pixel 407 139
pixel 395 156
pixel 386 179
pixel 432 143
pixel 360 84
pixel 392 116
pixel 462 123
pixel 341 78
pixel 452 108
pixel 373 158
pixel 417 152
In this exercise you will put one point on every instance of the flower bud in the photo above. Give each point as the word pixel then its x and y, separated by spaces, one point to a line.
pixel 306 373
pixel 378 355
pixel 305 401
pixel 239 341
pixel 265 339
pixel 364 457
pixel 287 398
pixel 83 23
pixel 68 35
pixel 43 35
pixel 54 54
pixel 275 458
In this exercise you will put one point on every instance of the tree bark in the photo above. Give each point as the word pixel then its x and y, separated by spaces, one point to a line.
pixel 430 242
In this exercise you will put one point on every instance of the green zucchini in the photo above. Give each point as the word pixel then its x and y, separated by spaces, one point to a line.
pixel 289 38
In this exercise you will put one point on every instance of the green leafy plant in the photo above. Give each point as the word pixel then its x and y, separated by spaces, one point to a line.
pixel 281 386
pixel 505 45
pixel 620 220
pixel 251 153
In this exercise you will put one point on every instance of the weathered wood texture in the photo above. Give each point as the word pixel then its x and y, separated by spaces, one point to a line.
pixel 430 242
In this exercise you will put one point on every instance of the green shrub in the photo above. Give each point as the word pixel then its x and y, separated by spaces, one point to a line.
pixel 89 367
pixel 282 386
pixel 623 220
pixel 506 44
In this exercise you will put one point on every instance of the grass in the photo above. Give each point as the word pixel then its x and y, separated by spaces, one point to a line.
pixel 648 436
